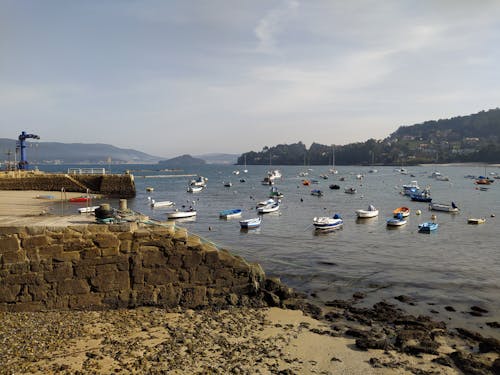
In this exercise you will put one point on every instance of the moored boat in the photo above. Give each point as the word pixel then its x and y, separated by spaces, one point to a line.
pixel 194 189
pixel 317 192
pixel 410 188
pixel 227 214
pixel 427 227
pixel 328 223
pixel 177 214
pixel 79 199
pixel 421 196
pixel 350 190
pixel 404 211
pixel 444 207
pixel 334 187
pixel 250 223
pixel 155 204
pixel 87 209
pixel 275 193
pixel 368 213
pixel 271 207
pixel 476 220
pixel 396 221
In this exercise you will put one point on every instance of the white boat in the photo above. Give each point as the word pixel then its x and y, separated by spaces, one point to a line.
pixel 265 203
pixel 250 223
pixel 396 221
pixel 236 172
pixel 199 181
pixel 194 189
pixel 227 183
pixel 444 207
pixel 328 223
pixel 370 212
pixel 181 214
pixel 476 220
pixel 227 214
pixel 272 207
pixel 155 204
pixel 411 188
pixel 350 190
pixel 87 209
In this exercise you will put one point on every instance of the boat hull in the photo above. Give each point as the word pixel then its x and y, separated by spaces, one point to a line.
pixel 366 214
pixel 180 214
pixel 250 223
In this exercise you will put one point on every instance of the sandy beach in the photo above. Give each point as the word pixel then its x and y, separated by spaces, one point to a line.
pixel 340 339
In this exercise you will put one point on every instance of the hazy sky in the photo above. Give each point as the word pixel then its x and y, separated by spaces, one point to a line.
pixel 173 77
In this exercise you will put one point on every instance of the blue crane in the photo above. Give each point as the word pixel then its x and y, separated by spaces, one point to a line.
pixel 21 145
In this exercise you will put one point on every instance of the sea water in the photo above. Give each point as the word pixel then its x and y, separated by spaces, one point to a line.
pixel 458 265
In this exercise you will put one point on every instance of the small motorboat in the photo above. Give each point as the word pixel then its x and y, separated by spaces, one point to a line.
pixel 227 183
pixel 410 188
pixel 334 187
pixel 421 196
pixel 194 188
pixel 265 203
pixel 272 207
pixel 150 189
pixel 444 207
pixel 350 190
pixel 404 211
pixel 317 192
pixel 306 182
pixel 177 214
pixel 87 209
pixel 427 227
pixel 368 213
pixel 328 223
pixel 227 214
pixel 476 220
pixel 250 223
pixel 396 221
pixel 275 193
pixel 155 204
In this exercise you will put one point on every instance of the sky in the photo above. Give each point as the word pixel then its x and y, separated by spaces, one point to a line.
pixel 196 77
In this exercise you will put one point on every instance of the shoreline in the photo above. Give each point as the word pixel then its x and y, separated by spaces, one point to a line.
pixel 342 337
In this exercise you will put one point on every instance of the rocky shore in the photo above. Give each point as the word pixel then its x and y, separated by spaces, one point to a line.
pixel 272 330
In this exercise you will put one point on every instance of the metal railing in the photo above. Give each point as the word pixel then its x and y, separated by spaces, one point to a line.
pixel 86 171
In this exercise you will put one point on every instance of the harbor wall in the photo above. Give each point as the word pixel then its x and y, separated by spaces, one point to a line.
pixel 99 266
pixel 112 185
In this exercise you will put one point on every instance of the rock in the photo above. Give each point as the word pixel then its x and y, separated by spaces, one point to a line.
pixel 493 324
pixel 479 309
pixel 405 299
pixel 450 308
pixel 470 364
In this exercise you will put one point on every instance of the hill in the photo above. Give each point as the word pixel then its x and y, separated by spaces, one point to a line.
pixel 181 162
pixel 472 138
pixel 216 158
pixel 75 153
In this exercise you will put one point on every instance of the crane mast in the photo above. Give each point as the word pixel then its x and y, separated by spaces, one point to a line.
pixel 21 145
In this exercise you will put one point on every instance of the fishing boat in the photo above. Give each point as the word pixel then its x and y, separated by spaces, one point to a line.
pixel 177 214
pixel 396 221
pixel 227 183
pixel 155 204
pixel 328 223
pixel 199 181
pixel 482 180
pixel 272 207
pixel 421 196
pixel 251 223
pixel 368 213
pixel 476 220
pixel 404 211
pixel 227 214
pixel 317 192
pixel 410 188
pixel 149 189
pixel 267 181
pixel 350 190
pixel 427 227
pixel 444 207
pixel 87 209
pixel 334 187
pixel 265 203
pixel 275 193
pixel 194 189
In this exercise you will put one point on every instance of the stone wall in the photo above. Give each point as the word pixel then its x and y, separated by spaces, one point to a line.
pixel 117 186
pixel 120 265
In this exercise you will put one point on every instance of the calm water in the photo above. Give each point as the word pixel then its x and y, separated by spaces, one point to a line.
pixel 459 265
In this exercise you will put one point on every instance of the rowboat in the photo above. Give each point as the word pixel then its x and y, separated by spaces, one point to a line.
pixel 427 227
pixel 272 207
pixel 316 192
pixel 265 203
pixel 181 214
pixel 404 211
pixel 444 207
pixel 87 209
pixel 227 183
pixel 79 199
pixel 227 214
pixel 328 223
pixel 476 220
pixel 155 204
pixel 194 189
pixel 370 212
pixel 334 187
pixel 396 221
pixel 250 223
pixel 350 190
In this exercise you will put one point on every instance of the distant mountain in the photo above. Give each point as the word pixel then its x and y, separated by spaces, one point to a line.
pixel 219 158
pixel 181 162
pixel 472 138
pixel 74 153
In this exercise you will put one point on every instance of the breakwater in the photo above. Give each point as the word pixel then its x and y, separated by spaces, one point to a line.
pixel 96 266
pixel 112 185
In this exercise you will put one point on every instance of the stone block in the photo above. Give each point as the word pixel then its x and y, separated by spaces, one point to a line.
pixel 50 251
pixel 152 257
pixel 39 292
pixel 8 293
pixel 35 230
pixel 125 246
pixel 86 301
pixel 109 251
pixel 194 297
pixel 97 228
pixel 125 236
pixel 72 287
pixel 104 240
pixel 201 275
pixel 60 272
pixel 27 307
pixel 122 227
pixel 181 234
pixel 169 296
pixel 67 256
pixel 161 276
pixel 193 241
pixel 212 257
pixel 13 257
pixel 110 282
pixel 91 253
pixel 82 229
pixel 9 243
pixel 83 271
pixel 174 261
pixel 34 242
pixel 192 259
pixel 19 268
pixel 142 233
pixel 77 244
pixel 12 230
pixel 103 269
